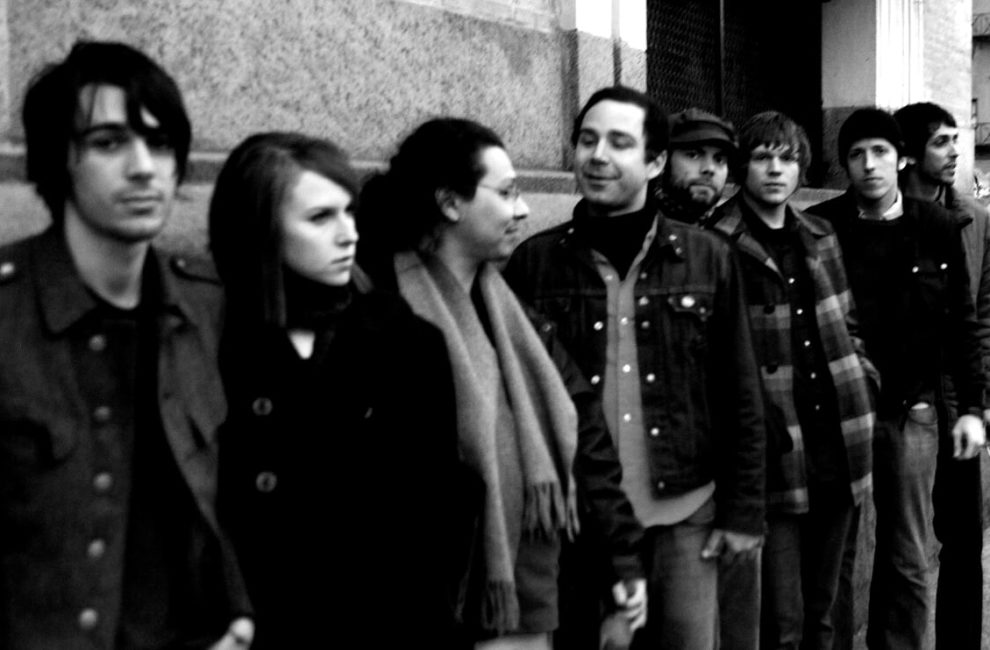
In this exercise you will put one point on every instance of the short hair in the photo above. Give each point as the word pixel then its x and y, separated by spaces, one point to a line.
pixel 655 129
pixel 772 129
pixel 918 122
pixel 399 207
pixel 52 107
pixel 868 123
pixel 244 218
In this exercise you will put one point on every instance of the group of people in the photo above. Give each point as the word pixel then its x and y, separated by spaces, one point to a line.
pixel 379 419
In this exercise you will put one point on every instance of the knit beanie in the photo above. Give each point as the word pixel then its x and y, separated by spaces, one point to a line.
pixel 869 123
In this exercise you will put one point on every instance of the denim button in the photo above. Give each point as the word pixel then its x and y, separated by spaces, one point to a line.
pixel 96 549
pixel 102 482
pixel 88 618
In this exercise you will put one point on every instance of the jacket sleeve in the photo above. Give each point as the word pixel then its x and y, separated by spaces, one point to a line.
pixel 607 518
pixel 967 337
pixel 741 471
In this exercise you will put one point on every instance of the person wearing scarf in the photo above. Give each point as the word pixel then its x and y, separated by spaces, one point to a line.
pixel 339 476
pixel 439 221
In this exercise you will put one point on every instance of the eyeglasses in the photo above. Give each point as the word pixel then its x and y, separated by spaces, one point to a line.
pixel 510 193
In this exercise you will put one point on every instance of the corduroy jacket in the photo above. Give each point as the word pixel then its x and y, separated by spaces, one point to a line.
pixel 770 317
pixel 701 393
pixel 63 514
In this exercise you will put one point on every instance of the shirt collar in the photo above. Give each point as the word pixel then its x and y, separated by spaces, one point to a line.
pixel 895 211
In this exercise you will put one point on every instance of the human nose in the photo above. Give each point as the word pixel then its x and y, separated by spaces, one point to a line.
pixel 140 163
pixel 773 165
pixel 598 152
pixel 520 209
pixel 869 161
pixel 707 165
pixel 347 234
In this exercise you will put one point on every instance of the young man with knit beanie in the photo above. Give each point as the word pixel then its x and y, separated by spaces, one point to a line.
pixel 932 146
pixel 907 271
pixel 818 382
pixel 653 311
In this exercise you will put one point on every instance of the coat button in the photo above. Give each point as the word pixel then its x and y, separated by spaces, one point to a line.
pixel 97 343
pixel 687 302
pixel 261 406
pixel 654 432
pixel 102 482
pixel 661 485
pixel 598 326
pixel 914 269
pixel 88 618
pixel 644 325
pixel 643 301
pixel 266 482
pixel 6 270
pixel 102 414
pixel 650 378
pixel 595 380
pixel 96 549
pixel 626 368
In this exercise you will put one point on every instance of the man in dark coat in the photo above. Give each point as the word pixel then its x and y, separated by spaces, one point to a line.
pixel 109 394
pixel 907 271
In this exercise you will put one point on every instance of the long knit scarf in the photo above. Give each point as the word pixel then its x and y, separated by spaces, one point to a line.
pixel 508 391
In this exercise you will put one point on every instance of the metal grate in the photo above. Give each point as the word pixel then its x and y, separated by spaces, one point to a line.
pixel 771 59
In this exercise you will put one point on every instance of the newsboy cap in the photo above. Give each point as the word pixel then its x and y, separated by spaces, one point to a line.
pixel 695 126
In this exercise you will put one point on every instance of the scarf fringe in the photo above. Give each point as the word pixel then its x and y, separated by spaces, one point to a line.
pixel 499 607
pixel 546 512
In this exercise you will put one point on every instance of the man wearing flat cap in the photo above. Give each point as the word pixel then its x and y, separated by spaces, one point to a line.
pixel 701 145
pixel 817 382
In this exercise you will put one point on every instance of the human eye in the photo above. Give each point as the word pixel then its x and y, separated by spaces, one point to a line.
pixel 622 142
pixel 323 215
pixel 106 140
pixel 760 156
pixel 880 150
pixel 158 141
pixel 587 139
pixel 789 156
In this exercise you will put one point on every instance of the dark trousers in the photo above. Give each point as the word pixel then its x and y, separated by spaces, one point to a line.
pixel 958 501
pixel 802 563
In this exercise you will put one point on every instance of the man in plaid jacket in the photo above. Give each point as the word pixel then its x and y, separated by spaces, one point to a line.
pixel 819 405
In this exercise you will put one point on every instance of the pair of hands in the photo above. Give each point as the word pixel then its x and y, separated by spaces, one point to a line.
pixel 729 546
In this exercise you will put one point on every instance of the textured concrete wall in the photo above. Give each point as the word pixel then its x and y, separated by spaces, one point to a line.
pixel 360 71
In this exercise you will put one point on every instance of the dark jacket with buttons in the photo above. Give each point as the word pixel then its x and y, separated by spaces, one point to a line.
pixel 340 480
pixel 941 333
pixel 701 393
pixel 63 510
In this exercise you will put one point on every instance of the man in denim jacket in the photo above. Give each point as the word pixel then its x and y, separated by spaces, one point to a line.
pixel 907 270
pixel 653 311
pixel 109 395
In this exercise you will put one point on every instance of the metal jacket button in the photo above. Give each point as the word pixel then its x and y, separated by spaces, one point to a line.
pixel 261 406
pixel 266 482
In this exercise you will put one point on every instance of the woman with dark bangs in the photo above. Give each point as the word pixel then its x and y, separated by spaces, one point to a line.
pixel 338 465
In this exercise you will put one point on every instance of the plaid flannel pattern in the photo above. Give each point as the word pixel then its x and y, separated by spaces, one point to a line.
pixel 850 369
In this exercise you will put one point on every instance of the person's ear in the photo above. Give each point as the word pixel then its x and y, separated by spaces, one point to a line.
pixel 447 202
pixel 904 161
pixel 655 167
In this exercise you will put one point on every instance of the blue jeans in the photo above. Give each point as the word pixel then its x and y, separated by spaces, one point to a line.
pixel 681 587
pixel 904 460
pixel 802 562
pixel 739 604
